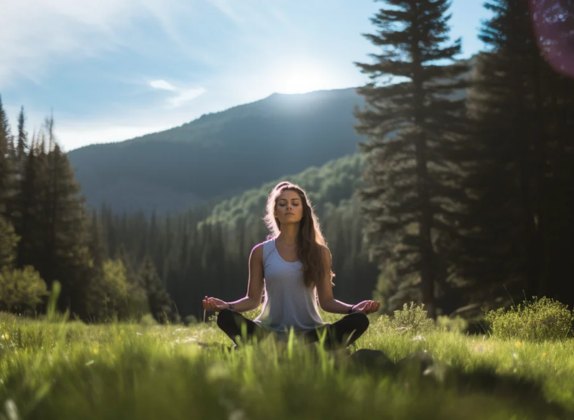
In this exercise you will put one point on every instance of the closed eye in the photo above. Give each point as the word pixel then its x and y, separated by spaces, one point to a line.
pixel 284 202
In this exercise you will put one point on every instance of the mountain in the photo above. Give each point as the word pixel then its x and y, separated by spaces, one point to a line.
pixel 219 154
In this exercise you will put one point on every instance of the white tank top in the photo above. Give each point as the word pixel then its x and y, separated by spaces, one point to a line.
pixel 288 302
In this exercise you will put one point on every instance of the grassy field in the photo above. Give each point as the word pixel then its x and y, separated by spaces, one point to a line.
pixel 69 370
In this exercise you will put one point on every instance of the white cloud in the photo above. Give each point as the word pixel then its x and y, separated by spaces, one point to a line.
pixel 180 96
pixel 162 85
pixel 184 96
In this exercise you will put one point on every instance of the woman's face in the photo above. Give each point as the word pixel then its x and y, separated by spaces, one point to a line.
pixel 288 207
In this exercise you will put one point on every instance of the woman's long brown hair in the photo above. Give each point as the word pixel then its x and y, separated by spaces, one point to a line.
pixel 310 240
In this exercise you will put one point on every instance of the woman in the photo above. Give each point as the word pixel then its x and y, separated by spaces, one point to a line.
pixel 293 269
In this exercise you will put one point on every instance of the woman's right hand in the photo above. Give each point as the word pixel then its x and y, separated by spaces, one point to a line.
pixel 366 306
pixel 214 304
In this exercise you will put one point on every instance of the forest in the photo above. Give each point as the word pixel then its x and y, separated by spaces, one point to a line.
pixel 461 202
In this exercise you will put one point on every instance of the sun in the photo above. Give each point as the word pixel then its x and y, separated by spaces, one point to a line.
pixel 300 77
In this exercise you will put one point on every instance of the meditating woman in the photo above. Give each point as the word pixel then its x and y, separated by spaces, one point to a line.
pixel 292 270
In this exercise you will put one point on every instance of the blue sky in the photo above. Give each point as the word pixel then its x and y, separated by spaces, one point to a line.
pixel 110 70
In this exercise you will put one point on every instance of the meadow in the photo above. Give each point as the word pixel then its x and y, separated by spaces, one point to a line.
pixel 62 369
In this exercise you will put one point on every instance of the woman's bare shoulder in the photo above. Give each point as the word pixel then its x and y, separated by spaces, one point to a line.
pixel 257 250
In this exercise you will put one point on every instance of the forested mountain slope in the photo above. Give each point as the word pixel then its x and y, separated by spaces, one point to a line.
pixel 219 154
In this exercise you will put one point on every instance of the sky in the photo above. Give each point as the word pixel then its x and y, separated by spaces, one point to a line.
pixel 111 70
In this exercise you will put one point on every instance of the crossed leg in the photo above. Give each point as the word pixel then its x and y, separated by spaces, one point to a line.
pixel 339 334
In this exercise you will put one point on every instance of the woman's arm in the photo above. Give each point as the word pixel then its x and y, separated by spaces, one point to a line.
pixel 254 287
pixel 327 300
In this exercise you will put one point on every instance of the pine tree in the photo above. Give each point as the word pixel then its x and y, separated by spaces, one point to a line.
pixel 413 119
pixel 53 225
pixel 6 164
pixel 29 223
pixel 71 259
pixel 18 162
pixel 22 142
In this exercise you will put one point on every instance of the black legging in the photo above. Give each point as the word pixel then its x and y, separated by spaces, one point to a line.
pixel 339 334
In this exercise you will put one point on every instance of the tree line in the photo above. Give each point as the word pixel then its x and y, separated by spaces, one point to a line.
pixel 48 238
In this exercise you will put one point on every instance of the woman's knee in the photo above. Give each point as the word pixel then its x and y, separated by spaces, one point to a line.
pixel 360 320
pixel 225 317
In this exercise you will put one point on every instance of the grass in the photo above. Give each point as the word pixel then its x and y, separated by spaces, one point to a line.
pixel 69 370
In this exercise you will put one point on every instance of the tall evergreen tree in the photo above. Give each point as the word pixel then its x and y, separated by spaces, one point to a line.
pixel 28 223
pixel 53 225
pixel 18 169
pixel 413 120
pixel 518 233
pixel 5 163
pixel 22 142
pixel 71 261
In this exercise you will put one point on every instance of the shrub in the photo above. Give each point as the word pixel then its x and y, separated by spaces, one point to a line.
pixel 114 297
pixel 413 318
pixel 536 320
pixel 21 290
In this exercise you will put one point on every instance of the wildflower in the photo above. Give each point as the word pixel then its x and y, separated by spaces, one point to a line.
pixel 11 409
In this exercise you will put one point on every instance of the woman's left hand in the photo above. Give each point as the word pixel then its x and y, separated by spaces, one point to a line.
pixel 367 306
pixel 214 304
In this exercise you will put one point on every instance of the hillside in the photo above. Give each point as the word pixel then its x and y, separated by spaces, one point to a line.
pixel 219 154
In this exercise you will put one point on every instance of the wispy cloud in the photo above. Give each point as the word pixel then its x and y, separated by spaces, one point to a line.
pixel 253 13
pixel 184 96
pixel 180 96
pixel 162 85
pixel 167 14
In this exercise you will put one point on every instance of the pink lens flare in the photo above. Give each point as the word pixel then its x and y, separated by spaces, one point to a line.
pixel 553 22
